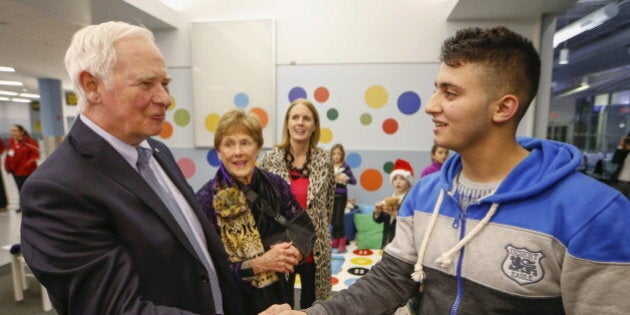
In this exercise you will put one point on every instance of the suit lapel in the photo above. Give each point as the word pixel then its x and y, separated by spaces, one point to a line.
pixel 108 161
pixel 173 172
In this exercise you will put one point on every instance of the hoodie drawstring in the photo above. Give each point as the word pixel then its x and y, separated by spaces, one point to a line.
pixel 445 259
pixel 418 274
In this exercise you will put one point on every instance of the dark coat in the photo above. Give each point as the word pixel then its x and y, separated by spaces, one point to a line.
pixel 619 158
pixel 100 240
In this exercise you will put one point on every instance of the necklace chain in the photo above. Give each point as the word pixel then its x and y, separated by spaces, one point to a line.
pixel 296 172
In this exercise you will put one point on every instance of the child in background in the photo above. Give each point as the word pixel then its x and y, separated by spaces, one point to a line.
pixel 386 210
pixel 343 177
pixel 438 157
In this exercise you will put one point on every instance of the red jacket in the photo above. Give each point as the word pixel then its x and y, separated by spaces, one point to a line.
pixel 21 159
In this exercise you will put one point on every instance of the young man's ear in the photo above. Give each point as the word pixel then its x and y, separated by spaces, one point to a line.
pixel 506 108
pixel 90 87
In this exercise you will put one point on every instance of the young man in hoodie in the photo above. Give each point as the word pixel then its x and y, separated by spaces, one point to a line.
pixel 508 226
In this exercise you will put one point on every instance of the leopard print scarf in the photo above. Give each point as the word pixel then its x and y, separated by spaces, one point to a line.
pixel 239 233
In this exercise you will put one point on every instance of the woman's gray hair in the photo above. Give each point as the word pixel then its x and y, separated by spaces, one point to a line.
pixel 92 50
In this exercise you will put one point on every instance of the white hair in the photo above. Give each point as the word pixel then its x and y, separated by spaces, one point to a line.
pixel 92 50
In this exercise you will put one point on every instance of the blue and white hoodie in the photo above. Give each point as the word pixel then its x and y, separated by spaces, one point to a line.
pixel 550 240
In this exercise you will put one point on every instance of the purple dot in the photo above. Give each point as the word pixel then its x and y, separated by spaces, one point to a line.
pixel 409 103
pixel 213 158
pixel 296 92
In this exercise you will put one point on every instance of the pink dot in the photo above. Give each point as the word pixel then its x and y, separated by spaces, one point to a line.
pixel 187 166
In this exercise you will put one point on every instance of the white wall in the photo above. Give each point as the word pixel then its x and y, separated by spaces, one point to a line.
pixel 348 31
pixel 12 113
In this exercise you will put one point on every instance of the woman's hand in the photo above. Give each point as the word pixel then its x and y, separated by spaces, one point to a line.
pixel 281 257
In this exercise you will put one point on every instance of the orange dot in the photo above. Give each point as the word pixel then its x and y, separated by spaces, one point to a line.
pixel 321 94
pixel 167 130
pixel 390 126
pixel 262 116
pixel 334 280
pixel 371 179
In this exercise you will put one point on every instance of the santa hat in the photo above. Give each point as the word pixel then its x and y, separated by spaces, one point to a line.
pixel 402 167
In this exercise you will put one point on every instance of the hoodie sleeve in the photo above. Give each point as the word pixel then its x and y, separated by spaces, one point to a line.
pixel 596 270
pixel 381 291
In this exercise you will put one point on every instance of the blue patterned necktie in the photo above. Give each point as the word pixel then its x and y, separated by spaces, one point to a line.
pixel 144 156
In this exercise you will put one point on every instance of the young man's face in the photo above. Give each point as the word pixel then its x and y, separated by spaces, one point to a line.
pixel 460 107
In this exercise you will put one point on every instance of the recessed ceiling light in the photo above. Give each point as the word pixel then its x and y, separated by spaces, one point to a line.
pixel 9 93
pixel 21 100
pixel 12 83
pixel 6 69
pixel 31 95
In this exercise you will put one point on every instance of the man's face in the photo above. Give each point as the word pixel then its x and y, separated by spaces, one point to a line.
pixel 460 107
pixel 135 96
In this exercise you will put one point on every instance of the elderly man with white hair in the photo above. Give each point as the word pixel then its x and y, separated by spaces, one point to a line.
pixel 110 225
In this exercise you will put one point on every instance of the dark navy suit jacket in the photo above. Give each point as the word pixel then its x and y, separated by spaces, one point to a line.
pixel 100 240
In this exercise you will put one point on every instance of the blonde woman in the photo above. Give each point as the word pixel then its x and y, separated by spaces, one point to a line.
pixel 309 171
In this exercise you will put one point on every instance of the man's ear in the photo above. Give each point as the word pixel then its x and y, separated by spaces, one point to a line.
pixel 89 84
pixel 506 108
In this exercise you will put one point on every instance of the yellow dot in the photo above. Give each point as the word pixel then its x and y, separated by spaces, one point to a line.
pixel 212 121
pixel 376 96
pixel 326 135
pixel 361 261
pixel 173 103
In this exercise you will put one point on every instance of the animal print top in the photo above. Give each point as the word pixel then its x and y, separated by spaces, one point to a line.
pixel 319 206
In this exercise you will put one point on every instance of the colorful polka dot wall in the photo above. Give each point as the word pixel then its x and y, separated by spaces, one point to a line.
pixel 377 122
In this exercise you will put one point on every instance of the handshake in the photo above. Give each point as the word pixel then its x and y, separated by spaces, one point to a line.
pixel 280 309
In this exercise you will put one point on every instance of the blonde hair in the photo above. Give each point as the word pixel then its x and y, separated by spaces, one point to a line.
pixel 286 139
pixel 236 121
pixel 340 147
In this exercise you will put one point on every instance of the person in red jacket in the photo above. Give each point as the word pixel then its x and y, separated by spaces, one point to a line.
pixel 22 155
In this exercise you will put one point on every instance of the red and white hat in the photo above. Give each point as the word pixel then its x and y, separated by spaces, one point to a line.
pixel 402 167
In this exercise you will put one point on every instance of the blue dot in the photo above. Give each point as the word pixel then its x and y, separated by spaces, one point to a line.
pixel 213 158
pixel 353 159
pixel 409 103
pixel 296 92
pixel 241 100
pixel 350 281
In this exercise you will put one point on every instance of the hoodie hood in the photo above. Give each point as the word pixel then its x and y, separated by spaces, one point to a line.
pixel 547 163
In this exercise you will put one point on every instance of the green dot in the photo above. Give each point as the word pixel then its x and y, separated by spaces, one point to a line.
pixel 366 119
pixel 332 114
pixel 388 167
pixel 181 117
